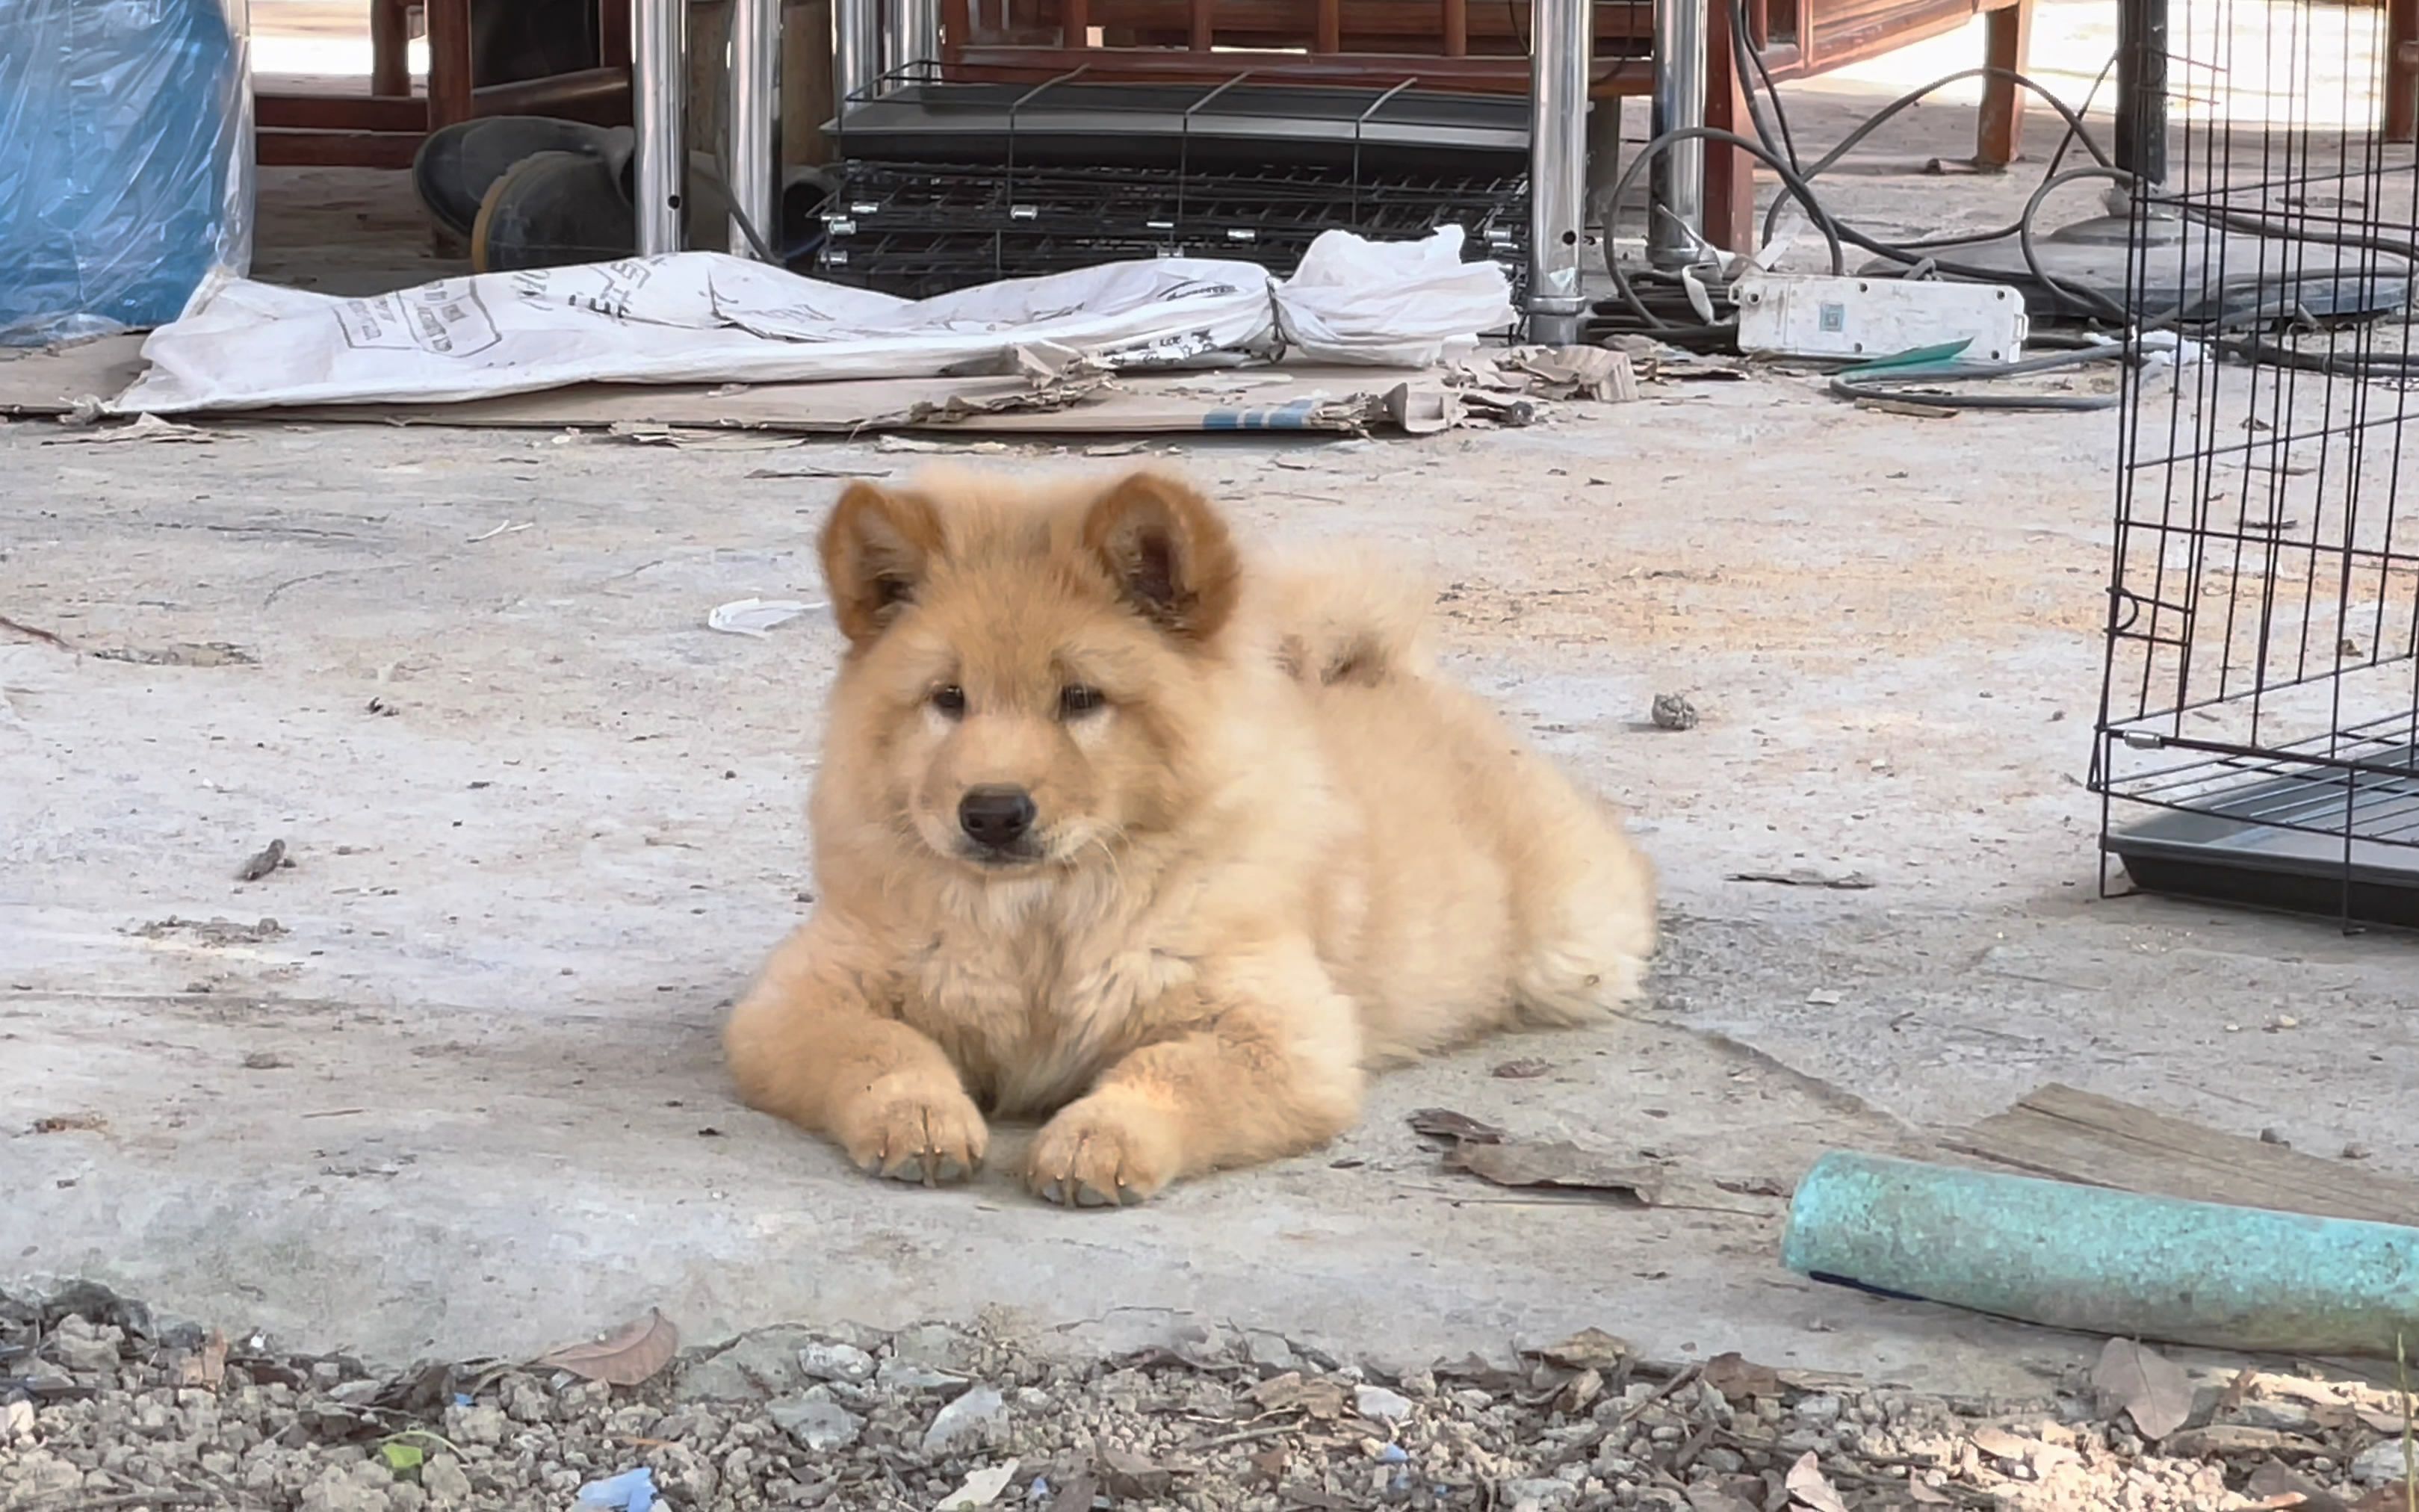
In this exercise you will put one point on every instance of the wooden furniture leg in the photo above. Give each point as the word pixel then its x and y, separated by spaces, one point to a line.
pixel 390 48
pixel 449 63
pixel 1998 134
pixel 1730 174
pixel 2401 71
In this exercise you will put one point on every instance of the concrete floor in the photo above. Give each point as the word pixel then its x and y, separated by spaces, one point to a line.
pixel 463 1096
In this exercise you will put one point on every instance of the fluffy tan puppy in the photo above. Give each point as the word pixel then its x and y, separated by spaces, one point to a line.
pixel 1116 828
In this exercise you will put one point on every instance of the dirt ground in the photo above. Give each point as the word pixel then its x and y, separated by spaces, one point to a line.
pixel 447 1083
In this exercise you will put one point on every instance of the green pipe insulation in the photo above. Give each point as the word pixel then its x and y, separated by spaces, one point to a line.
pixel 2104 1261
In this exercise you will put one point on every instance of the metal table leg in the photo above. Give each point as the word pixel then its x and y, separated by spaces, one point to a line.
pixel 856 54
pixel 1559 46
pixel 754 119
pixel 911 36
pixel 658 36
pixel 1676 178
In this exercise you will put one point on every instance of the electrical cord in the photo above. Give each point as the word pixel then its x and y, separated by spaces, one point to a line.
pixel 2095 304
pixel 1852 384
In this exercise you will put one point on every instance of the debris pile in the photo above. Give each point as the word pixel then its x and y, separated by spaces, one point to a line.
pixel 100 1407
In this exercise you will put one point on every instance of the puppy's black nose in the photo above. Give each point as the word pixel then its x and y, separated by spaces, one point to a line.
pixel 996 817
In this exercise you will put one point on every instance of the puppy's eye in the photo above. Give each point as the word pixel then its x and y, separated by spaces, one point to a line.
pixel 1076 699
pixel 950 700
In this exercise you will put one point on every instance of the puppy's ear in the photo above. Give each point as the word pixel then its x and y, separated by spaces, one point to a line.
pixel 877 548
pixel 1168 552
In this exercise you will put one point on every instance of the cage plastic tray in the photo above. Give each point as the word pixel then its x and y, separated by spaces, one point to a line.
pixel 2363 864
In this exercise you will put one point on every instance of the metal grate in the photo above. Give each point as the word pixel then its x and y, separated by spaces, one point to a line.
pixel 2259 725
pixel 917 229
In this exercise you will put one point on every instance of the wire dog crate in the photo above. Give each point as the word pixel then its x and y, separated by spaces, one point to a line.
pixel 2258 734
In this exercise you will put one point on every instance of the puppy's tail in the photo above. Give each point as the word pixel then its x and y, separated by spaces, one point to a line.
pixel 1342 621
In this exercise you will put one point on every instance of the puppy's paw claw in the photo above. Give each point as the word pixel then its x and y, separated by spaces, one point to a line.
pixel 935 1139
pixel 1100 1156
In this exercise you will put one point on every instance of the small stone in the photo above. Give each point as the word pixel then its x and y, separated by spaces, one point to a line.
pixel 525 1401
pixel 1537 1494
pixel 482 1423
pixel 2285 1417
pixel 1269 1353
pixel 1822 1409
pixel 763 1364
pixel 2276 1137
pixel 1672 711
pixel 966 1422
pixel 41 1478
pixel 442 1478
pixel 336 1491
pixel 1381 1405
pixel 84 1348
pixel 835 1362
pixel 906 1378
pixel 17 1421
pixel 819 1426
pixel 2380 1464
pixel 2356 1150
pixel 937 1345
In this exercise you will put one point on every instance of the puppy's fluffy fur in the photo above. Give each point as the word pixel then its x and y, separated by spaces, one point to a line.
pixel 1266 848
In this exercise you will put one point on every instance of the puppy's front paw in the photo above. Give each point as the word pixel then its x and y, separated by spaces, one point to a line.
pixel 914 1129
pixel 1103 1151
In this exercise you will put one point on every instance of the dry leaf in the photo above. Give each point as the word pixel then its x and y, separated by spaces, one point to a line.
pixel 624 1357
pixel 1737 1375
pixel 1579 1392
pixel 1444 1123
pixel 212 1360
pixel 1925 1495
pixel 2001 1444
pixel 1590 1348
pixel 1557 1165
pixel 1524 1069
pixel 1811 1488
pixel 261 863
pixel 2273 1483
pixel 2152 1389
pixel 2222 1440
pixel 70 1123
pixel 1319 1397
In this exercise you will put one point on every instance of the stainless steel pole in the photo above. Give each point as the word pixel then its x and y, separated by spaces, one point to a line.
pixel 857 52
pixel 1676 178
pixel 911 35
pixel 753 118
pixel 658 76
pixel 1560 42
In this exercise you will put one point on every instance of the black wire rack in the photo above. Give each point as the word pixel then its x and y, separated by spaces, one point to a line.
pixel 2258 735
pixel 918 229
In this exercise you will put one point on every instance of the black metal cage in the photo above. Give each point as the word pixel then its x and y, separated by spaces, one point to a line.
pixel 2258 736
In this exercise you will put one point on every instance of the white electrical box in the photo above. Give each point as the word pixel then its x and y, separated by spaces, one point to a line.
pixel 1817 314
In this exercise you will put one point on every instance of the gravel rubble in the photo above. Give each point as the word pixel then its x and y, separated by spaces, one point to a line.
pixel 100 1407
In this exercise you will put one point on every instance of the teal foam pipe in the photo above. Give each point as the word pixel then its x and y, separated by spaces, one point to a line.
pixel 2101 1261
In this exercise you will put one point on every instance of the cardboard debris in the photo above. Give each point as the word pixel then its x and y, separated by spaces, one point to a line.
pixel 1065 400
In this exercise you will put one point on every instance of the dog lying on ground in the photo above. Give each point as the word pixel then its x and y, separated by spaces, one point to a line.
pixel 1115 827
